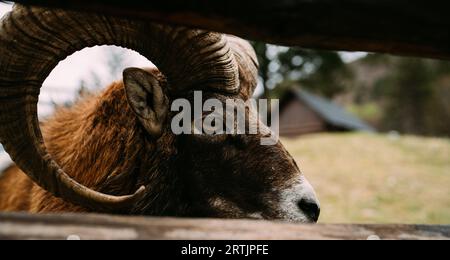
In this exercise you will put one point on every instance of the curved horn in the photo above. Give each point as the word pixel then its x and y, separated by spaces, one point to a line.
pixel 248 65
pixel 34 40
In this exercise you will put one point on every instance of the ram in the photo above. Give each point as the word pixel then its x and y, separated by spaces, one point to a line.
pixel 120 141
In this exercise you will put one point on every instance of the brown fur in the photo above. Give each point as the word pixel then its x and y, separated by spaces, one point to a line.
pixel 90 125
pixel 101 144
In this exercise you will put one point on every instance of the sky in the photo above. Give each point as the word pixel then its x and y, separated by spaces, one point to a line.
pixel 65 80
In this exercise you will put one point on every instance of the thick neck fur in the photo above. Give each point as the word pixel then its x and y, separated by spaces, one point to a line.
pixel 101 144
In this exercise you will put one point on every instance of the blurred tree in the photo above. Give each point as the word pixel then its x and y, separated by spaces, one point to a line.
pixel 407 90
pixel 115 63
pixel 322 72
pixel 411 95
pixel 416 96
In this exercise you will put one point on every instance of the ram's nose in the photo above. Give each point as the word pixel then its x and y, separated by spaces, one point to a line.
pixel 309 208
pixel 308 203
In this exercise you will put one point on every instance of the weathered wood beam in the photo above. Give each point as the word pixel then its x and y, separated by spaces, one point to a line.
pixel 414 28
pixel 22 226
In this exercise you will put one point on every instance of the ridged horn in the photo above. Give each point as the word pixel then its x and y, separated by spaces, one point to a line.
pixel 33 41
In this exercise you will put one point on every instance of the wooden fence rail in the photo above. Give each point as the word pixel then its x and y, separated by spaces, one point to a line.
pixel 417 28
pixel 22 226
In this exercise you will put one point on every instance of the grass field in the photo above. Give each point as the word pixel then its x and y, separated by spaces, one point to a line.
pixel 368 178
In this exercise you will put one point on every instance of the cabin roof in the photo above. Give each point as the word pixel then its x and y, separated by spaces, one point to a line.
pixel 329 111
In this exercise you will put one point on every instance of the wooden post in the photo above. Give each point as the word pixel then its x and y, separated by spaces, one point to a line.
pixel 398 27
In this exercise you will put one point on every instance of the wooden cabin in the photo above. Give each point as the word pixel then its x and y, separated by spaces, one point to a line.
pixel 302 112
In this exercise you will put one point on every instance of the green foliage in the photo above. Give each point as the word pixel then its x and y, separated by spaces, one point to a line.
pixel 416 97
pixel 321 72
pixel 370 112
pixel 408 95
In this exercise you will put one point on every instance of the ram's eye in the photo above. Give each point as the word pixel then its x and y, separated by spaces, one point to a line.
pixel 210 124
pixel 197 127
pixel 207 133
pixel 211 129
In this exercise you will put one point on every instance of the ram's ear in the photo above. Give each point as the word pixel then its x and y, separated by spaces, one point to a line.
pixel 147 99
